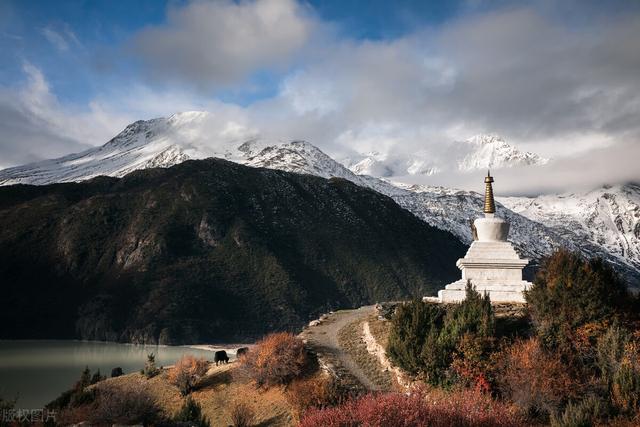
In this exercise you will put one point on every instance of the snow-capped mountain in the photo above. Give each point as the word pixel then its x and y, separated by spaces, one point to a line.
pixel 604 222
pixel 161 142
pixel 479 152
pixel 389 165
pixel 491 151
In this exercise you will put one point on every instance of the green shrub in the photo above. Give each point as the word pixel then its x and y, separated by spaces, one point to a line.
pixel 150 369
pixel 610 350
pixel 191 412
pixel 425 338
pixel 625 390
pixel 97 377
pixel 413 324
pixel 77 395
pixel 582 414
pixel 570 292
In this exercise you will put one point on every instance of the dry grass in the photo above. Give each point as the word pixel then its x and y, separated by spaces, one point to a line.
pixel 350 339
pixel 216 393
pixel 380 329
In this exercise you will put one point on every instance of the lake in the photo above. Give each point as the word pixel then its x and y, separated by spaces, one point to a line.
pixel 36 372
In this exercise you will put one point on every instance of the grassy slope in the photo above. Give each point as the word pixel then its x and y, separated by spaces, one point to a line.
pixel 217 393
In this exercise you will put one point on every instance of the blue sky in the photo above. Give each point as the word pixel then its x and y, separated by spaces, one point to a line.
pixel 88 31
pixel 557 78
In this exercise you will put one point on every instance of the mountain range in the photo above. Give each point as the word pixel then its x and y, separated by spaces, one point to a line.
pixel 604 222
pixel 204 251
pixel 476 153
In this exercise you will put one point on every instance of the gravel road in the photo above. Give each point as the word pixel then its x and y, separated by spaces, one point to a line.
pixel 323 339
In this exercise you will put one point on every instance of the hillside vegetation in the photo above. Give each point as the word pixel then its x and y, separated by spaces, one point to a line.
pixel 576 362
pixel 206 250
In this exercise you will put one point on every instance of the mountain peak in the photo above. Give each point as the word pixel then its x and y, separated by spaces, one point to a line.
pixel 484 139
pixel 492 151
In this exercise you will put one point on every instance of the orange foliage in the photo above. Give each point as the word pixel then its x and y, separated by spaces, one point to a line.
pixel 318 391
pixel 187 372
pixel 277 359
pixel 471 362
pixel 535 380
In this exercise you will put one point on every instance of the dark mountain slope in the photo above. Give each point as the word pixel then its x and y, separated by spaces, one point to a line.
pixel 206 250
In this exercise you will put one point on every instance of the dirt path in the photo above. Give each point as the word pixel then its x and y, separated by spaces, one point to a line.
pixel 323 339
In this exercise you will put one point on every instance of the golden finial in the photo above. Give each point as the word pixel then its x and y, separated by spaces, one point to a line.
pixel 489 204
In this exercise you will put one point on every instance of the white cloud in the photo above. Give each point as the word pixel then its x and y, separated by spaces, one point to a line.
pixel 564 92
pixel 62 39
pixel 36 126
pixel 221 42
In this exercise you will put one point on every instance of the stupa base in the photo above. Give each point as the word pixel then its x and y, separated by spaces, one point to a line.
pixel 498 291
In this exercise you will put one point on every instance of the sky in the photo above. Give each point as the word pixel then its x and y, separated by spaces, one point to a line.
pixel 561 79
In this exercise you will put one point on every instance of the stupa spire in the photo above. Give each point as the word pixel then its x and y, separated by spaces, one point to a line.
pixel 489 204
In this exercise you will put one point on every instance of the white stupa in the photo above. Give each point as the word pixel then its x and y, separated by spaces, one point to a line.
pixel 491 263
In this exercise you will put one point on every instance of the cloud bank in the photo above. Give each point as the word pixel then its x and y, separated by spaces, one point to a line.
pixel 565 90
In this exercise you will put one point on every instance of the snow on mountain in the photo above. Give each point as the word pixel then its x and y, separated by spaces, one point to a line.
pixel 479 152
pixel 491 151
pixel 298 157
pixel 393 164
pixel 159 142
pixel 609 229
pixel 604 222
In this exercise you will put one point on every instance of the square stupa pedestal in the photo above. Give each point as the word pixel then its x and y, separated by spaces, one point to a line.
pixel 494 268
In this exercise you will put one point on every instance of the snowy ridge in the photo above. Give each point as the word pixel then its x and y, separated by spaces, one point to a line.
pixel 479 152
pixel 143 144
pixel 491 151
pixel 604 222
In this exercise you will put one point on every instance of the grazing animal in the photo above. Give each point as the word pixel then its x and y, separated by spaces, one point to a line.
pixel 220 356
pixel 242 351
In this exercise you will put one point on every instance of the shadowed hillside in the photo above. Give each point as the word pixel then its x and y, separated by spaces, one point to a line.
pixel 207 250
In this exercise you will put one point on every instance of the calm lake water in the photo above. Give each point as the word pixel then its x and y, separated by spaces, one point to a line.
pixel 36 372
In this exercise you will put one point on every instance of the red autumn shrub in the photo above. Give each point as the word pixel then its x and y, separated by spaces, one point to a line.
pixel 277 359
pixel 472 363
pixel 534 379
pixel 464 408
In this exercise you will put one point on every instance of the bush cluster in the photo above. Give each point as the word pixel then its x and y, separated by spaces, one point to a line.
pixel 575 362
pixel 315 391
pixel 131 405
pixel 463 408
pixel 191 414
pixel 78 395
pixel 534 379
pixel 150 369
pixel 426 338
pixel 186 373
pixel 242 414
pixel 277 359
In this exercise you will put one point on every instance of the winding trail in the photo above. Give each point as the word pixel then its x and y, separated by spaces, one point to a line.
pixel 323 339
